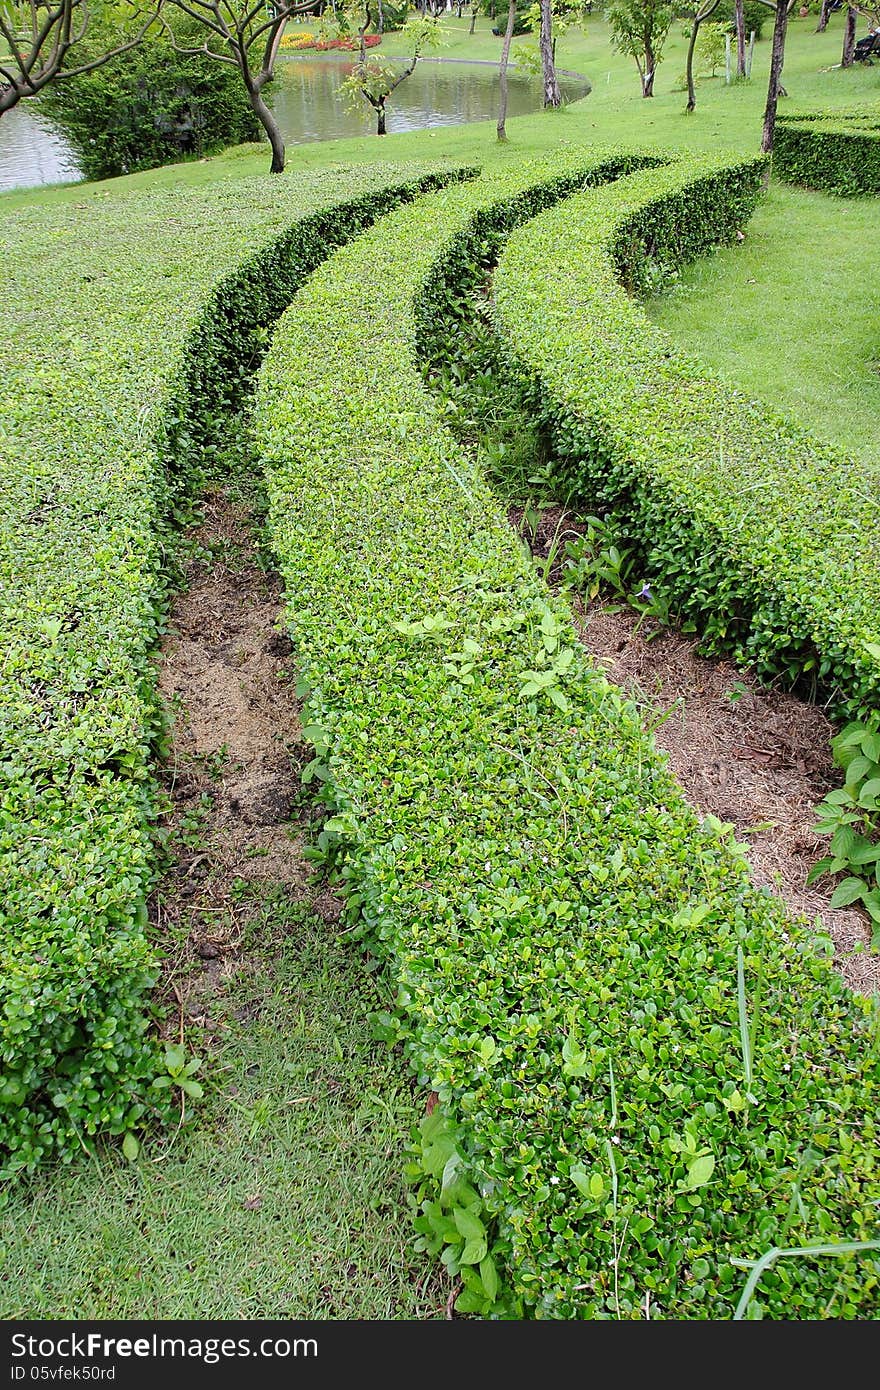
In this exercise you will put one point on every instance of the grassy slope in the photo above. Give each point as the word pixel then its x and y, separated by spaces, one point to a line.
pixel 170 1236
pixel 812 347
pixel 284 1202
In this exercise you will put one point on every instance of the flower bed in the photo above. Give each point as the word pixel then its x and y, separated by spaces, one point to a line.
pixel 298 43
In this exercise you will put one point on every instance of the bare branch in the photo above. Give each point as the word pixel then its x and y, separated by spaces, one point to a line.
pixel 109 54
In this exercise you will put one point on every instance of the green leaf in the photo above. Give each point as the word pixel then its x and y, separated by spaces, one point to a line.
pixel 469 1226
pixel 597 1187
pixel 489 1276
pixel 849 891
pixel 871 747
pixel 580 1180
pixel 469 1302
pixel 821 867
pixel 700 1171
pixel 131 1147
pixel 474 1251
pixel 869 793
pixel 856 771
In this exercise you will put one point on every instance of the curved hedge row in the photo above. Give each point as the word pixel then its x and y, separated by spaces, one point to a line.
pixel 762 536
pixel 158 300
pixel 562 934
pixel 830 151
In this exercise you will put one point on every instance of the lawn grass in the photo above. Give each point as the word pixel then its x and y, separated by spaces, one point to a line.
pixel 793 319
pixel 170 1236
pixel 283 1199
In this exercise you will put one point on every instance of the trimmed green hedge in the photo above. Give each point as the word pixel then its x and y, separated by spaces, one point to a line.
pixel 132 317
pixel 562 935
pixel 762 537
pixel 830 151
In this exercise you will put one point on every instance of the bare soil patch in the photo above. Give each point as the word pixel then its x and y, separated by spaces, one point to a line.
pixel 756 757
pixel 233 780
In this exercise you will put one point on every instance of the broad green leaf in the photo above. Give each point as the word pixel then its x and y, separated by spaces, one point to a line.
pixel 131 1147
pixel 700 1170
pixel 469 1226
pixel 474 1251
pixel 869 793
pixel 580 1180
pixel 848 892
pixel 489 1276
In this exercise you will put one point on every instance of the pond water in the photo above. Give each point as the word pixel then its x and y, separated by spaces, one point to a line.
pixel 31 152
pixel 308 106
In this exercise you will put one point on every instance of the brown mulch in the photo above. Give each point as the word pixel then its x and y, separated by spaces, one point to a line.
pixel 756 757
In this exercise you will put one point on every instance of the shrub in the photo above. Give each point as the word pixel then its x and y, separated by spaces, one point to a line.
pixel 150 106
pixel 831 152
pixel 788 585
pixel 110 386
pixel 563 937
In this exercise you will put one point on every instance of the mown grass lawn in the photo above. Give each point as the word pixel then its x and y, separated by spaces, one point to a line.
pixel 266 1208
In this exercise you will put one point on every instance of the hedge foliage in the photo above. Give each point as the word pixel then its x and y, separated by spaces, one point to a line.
pixel 563 936
pixel 830 151
pixel 762 537
pixel 159 301
pixel 150 106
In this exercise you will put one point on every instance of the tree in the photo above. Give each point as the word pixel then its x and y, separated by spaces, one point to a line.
pixel 549 81
pixel 501 127
pixel 639 29
pixel 713 45
pixel 373 80
pixel 849 36
pixel 703 12
pixel 739 25
pixel 245 34
pixel 48 40
pixel 775 88
pixel 147 107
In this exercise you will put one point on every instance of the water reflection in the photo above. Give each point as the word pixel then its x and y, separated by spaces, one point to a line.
pixel 306 99
pixel 31 152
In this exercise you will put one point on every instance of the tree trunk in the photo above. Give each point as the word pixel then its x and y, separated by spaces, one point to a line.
pixel 648 76
pixel 689 66
pixel 777 58
pixel 823 18
pixel 552 96
pixel 271 127
pixel 380 118
pixel 473 19
pixel 740 39
pixel 502 71
pixel 699 18
pixel 849 37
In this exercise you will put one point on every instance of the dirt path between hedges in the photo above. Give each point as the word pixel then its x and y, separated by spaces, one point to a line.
pixel 234 780
pixel 755 757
